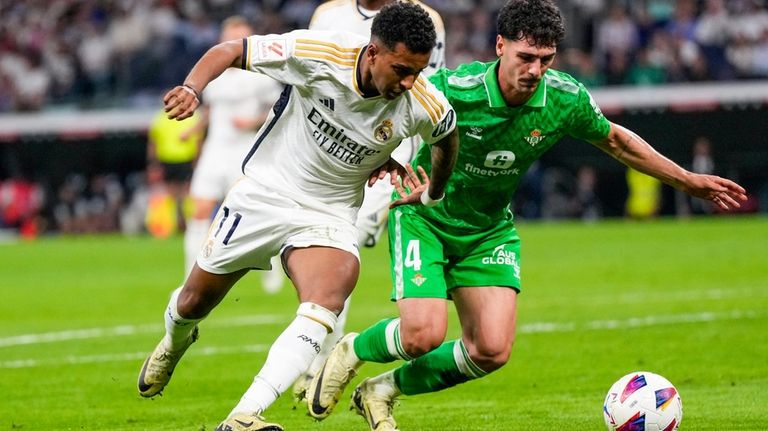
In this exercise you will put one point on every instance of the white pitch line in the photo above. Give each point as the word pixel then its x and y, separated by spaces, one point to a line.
pixel 123 330
pixel 135 356
pixel 638 322
pixel 87 333
pixel 529 328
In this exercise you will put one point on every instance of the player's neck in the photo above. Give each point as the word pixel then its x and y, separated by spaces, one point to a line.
pixel 365 76
pixel 372 4
pixel 512 96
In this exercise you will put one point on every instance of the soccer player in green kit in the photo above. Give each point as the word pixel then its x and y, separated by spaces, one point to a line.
pixel 465 248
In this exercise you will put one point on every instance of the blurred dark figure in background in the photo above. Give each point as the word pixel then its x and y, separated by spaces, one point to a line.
pixel 701 163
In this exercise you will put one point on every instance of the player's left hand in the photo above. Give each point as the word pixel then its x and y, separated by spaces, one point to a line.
pixel 416 184
pixel 725 193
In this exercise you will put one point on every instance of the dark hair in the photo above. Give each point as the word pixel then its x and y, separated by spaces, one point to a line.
pixel 407 23
pixel 539 20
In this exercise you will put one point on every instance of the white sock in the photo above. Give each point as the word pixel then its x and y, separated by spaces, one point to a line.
pixel 330 340
pixel 384 384
pixel 288 358
pixel 197 231
pixel 177 328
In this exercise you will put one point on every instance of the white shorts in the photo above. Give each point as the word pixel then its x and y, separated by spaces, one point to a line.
pixel 217 170
pixel 254 223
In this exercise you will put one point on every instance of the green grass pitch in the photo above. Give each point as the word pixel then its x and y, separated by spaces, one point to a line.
pixel 685 299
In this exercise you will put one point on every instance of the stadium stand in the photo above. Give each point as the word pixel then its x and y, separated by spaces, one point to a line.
pixel 80 79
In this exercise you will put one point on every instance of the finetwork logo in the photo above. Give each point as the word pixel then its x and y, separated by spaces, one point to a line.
pixel 499 159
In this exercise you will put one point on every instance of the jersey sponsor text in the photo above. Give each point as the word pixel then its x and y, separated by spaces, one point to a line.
pixel 335 142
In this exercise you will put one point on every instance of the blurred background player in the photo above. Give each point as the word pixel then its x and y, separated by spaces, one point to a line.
pixel 643 195
pixel 356 16
pixel 235 105
pixel 173 147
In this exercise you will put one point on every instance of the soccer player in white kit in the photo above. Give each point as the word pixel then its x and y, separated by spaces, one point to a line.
pixel 356 16
pixel 237 104
pixel 347 103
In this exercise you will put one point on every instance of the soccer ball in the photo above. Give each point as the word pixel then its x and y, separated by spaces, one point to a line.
pixel 642 401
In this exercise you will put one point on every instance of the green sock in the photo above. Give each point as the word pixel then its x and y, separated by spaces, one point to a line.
pixel 380 342
pixel 446 366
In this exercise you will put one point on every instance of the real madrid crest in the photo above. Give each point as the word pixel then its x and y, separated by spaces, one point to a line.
pixel 383 131
pixel 207 249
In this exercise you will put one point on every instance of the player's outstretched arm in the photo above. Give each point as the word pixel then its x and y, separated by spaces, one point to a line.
pixel 632 150
pixel 444 155
pixel 182 100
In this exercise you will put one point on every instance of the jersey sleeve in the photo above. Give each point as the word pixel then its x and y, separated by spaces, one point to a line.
pixel 587 121
pixel 274 55
pixel 437 117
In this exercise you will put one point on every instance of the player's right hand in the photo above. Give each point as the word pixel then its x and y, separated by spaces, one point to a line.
pixel 180 102
pixel 412 186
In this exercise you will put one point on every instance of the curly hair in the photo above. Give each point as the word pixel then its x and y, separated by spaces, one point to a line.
pixel 539 20
pixel 407 23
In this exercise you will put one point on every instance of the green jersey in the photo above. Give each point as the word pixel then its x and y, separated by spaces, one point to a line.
pixel 499 143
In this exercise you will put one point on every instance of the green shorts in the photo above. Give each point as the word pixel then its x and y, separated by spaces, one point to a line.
pixel 428 260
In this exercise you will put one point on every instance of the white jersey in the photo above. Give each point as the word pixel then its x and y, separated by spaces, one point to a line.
pixel 236 94
pixel 350 16
pixel 324 137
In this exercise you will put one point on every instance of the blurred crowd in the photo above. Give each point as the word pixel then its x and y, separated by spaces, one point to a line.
pixel 96 53
pixel 90 54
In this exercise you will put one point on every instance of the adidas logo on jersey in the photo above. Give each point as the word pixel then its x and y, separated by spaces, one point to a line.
pixel 328 103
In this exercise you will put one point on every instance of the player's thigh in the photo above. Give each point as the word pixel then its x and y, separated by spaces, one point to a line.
pixel 423 322
pixel 488 316
pixel 322 275
pixel 484 280
pixel 321 254
pixel 417 257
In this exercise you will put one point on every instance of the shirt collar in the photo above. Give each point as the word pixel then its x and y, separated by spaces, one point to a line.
pixel 496 99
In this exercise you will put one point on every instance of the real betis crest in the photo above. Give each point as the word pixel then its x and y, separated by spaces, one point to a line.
pixel 535 137
pixel 418 279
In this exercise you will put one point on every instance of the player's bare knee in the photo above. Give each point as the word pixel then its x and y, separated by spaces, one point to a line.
pixel 491 357
pixel 192 304
pixel 420 342
pixel 330 300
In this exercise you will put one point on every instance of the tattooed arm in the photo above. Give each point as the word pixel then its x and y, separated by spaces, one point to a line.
pixel 627 147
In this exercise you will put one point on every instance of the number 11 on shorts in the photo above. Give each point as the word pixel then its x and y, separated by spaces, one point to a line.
pixel 236 220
